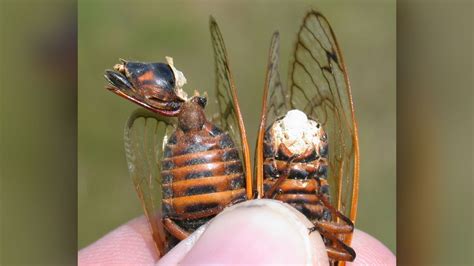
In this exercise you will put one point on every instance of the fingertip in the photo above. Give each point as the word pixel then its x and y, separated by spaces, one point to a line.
pixel 130 243
pixel 257 232
pixel 370 251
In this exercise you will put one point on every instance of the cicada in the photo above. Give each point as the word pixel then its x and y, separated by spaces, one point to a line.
pixel 185 167
pixel 307 149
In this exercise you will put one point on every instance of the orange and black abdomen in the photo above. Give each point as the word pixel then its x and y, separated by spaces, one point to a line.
pixel 202 174
pixel 306 179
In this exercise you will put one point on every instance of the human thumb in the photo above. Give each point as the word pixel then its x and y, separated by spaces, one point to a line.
pixel 253 232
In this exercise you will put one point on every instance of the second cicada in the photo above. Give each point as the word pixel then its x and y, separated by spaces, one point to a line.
pixel 307 150
pixel 185 167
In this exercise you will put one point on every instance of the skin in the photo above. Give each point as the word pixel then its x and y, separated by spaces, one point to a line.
pixel 267 234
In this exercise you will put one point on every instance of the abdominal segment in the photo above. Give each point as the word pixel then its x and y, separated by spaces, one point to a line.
pixel 201 174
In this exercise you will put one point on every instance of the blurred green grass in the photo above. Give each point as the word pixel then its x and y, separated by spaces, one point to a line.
pixel 38 206
pixel 151 30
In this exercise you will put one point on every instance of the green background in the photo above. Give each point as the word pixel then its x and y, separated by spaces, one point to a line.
pixel 151 30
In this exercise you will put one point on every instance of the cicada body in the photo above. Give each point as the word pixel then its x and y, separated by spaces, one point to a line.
pixel 307 149
pixel 185 168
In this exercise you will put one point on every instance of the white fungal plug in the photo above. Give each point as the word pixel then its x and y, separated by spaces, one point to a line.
pixel 180 79
pixel 297 132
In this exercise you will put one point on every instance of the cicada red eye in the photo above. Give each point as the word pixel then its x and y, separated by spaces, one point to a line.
pixel 307 151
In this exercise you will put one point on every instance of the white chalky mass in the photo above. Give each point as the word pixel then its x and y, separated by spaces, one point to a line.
pixel 296 131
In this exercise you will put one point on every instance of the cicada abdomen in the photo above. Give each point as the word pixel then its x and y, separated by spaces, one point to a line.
pixel 297 147
pixel 202 172
pixel 185 169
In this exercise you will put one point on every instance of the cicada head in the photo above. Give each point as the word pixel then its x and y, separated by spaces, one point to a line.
pixel 155 86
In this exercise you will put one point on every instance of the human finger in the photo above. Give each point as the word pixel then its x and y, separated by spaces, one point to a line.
pixel 129 244
pixel 253 232
pixel 370 251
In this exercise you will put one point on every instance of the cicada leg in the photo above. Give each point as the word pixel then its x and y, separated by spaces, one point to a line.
pixel 180 233
pixel 337 250
pixel 341 228
pixel 282 149
pixel 174 229
pixel 270 194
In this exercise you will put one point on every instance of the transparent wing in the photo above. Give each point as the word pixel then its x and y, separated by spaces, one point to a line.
pixel 230 118
pixel 319 86
pixel 274 105
pixel 275 95
pixel 145 134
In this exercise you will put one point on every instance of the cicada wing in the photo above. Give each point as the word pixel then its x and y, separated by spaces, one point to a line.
pixel 319 86
pixel 230 118
pixel 275 94
pixel 274 105
pixel 145 135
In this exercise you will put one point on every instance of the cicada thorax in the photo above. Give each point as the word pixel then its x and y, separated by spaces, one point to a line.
pixel 201 170
pixel 301 154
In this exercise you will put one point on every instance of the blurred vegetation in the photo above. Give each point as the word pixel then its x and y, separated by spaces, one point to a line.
pixel 151 30
pixel 37 133
pixel 435 129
